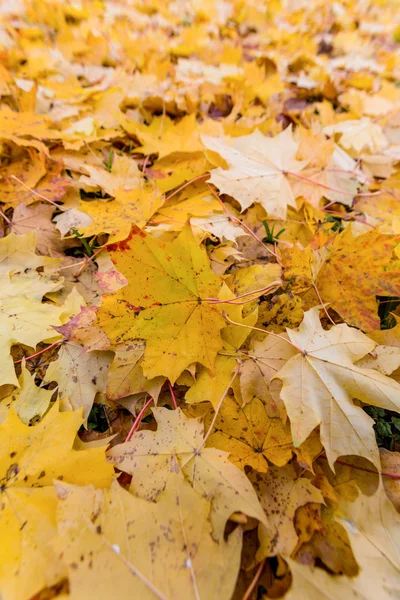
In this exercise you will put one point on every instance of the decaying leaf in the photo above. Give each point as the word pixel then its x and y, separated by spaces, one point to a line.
pixel 208 470
pixel 29 464
pixel 104 531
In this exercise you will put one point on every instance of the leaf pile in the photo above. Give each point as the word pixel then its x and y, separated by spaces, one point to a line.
pixel 199 305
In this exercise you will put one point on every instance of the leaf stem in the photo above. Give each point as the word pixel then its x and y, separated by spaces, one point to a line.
pixel 185 185
pixel 53 345
pixel 171 389
pixel 36 193
pixel 239 222
pixel 138 419
pixel 303 352
pixel 260 291
pixel 253 583
pixel 346 464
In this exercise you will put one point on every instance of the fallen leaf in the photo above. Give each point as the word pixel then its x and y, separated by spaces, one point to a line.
pixel 258 168
pixel 164 300
pixel 281 492
pixel 104 532
pixel 319 385
pixel 208 470
pixel 80 374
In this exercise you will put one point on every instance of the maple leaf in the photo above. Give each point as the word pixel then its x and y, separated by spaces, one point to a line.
pixel 126 373
pixel 320 382
pixel 164 303
pixel 17 253
pixel 281 493
pixel 164 136
pixel 28 401
pixel 37 218
pixel 356 271
pixel 250 436
pixel 220 226
pixel 116 217
pixel 24 319
pixel 124 175
pixel 193 201
pixel 80 374
pixel 264 360
pixel 359 135
pixel 28 466
pixel 328 542
pixel 372 525
pixel 98 528
pixel 258 168
pixel 349 273
pixel 207 469
pixel 26 170
pixel 22 126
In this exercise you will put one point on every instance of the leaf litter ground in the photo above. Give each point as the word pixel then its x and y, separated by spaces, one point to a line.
pixel 199 306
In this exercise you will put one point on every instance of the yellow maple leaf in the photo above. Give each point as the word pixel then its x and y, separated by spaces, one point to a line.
pixel 28 465
pixel 281 492
pixel 207 469
pixel 164 136
pixel 80 374
pixel 165 303
pixel 28 401
pixel 250 436
pixel 372 525
pixel 105 533
pixel 116 217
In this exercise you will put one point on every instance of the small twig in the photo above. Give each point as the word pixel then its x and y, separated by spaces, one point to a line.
pixel 323 305
pixel 391 475
pixel 303 352
pixel 239 222
pixel 138 419
pixel 34 192
pixel 259 292
pixel 88 260
pixel 224 395
pixel 253 583
pixel 185 185
pixel 7 220
pixel 171 389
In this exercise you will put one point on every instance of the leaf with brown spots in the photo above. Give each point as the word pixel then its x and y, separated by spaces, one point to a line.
pixel 281 491
pixel 208 470
pixel 102 535
pixel 165 303
pixel 31 459
pixel 250 436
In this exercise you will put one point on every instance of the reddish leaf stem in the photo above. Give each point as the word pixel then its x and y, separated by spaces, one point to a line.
pixel 239 222
pixel 171 389
pixel 138 419
pixel 253 583
pixel 260 291
pixel 88 260
pixel 346 464
pixel 185 185
pixel 36 193
pixel 53 345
